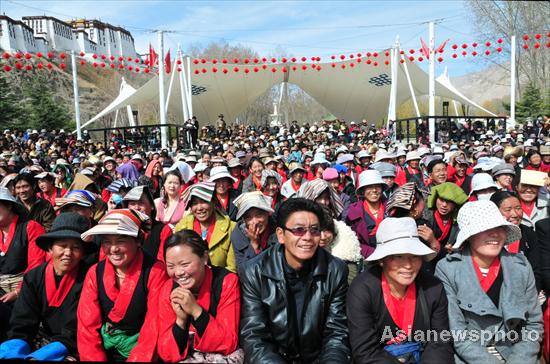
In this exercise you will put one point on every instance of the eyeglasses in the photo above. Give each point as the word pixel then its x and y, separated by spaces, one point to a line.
pixel 301 231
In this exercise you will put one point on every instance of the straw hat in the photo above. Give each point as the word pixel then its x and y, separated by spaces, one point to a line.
pixel 398 236
pixel 249 200
pixel 478 216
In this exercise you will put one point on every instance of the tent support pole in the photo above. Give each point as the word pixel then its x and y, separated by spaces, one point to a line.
pixel 392 109
pixel 131 119
pixel 170 86
pixel 163 134
pixel 182 89
pixel 76 98
pixel 512 121
pixel 431 86
pixel 189 88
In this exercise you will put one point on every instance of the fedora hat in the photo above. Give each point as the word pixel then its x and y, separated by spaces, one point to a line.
pixel 398 235
pixel 67 225
pixel 479 216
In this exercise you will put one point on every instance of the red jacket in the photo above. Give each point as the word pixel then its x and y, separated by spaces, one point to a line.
pixel 222 331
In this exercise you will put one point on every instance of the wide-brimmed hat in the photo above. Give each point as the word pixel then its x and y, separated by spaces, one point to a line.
pixel 135 194
pixel 481 181
pixel 5 195
pixel 533 178
pixel 398 235
pixel 503 168
pixel 382 154
pixel 126 222
pixel 266 173
pixel 319 159
pixel 249 200
pixel 411 156
pixel 234 162
pixel 220 172
pixel 68 225
pixel 203 190
pixel 478 216
pixel 385 169
pixel 295 166
pixel 371 177
pixel 344 158
pixel 42 175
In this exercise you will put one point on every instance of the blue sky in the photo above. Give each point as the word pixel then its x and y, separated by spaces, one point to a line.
pixel 299 28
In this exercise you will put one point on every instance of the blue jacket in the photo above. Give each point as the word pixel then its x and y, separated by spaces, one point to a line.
pixel 472 310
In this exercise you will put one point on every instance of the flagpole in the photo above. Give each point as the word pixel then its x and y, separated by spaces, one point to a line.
pixel 162 110
pixel 189 88
pixel 512 122
pixel 431 86
pixel 183 89
pixel 76 98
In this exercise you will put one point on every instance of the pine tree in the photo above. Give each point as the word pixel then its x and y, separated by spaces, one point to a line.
pixel 11 112
pixel 43 110
pixel 531 102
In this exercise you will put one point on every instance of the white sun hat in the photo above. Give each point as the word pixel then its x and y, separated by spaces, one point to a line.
pixel 481 181
pixel 479 216
pixel 398 235
pixel 220 172
pixel 249 200
pixel 371 177
pixel 411 156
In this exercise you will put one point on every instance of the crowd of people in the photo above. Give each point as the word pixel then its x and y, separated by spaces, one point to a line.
pixel 326 243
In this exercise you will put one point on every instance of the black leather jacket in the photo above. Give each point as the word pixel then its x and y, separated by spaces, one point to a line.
pixel 267 335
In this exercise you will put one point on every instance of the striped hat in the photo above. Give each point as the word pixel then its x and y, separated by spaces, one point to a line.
pixel 255 199
pixel 403 197
pixel 314 188
pixel 121 183
pixel 202 190
pixel 120 222
pixel 75 197
pixel 266 173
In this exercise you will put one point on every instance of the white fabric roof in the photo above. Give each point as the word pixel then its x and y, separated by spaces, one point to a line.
pixel 361 92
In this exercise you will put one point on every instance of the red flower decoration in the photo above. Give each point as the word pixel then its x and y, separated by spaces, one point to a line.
pixel 352 65
pixel 256 69
pixel 454 46
pixel 526 46
pixel 94 56
pixel 214 61
pixel 112 65
pixel 411 58
pixel 375 64
pixel 264 66
pixel 256 60
pixel 236 69
pixel 235 60
pixel 146 70
pixel 411 51
pixel 120 58
pixel 401 52
pixel 273 70
pixel 368 61
pixel 474 53
pixel 137 69
pixel 7 68
pixel 548 45
pixel 129 59
pixel 39 55
pixel 40 66
pixel 487 52
pixel 6 55
pixel 332 57
pixel 203 60
pixel 333 65
pixel 18 65
pixel 420 59
pixel 440 59
pixel 246 61
pixel 130 68
pixel 536 45
pixel 464 46
pixel 104 57
pixel 375 54
pixel 499 40
pixel 50 55
pixel 273 60
pixel 538 36
pixel 464 53
pixel 318 68
pixel 178 61
pixel 18 55
pixel 196 72
pixel 343 66
pixel 351 56
pixel 293 59
pixel 224 61
pixel 488 44
pixel 121 66
pixel 62 56
pixel 368 54
pixel 112 58
pixel 246 70
pixel 94 65
pixel 82 62
pixel 284 70
pixel 103 65
pixel 386 62
pixel 203 70
pixel 195 61
pixel 342 57
pixel 474 45
pixel 294 68
pixel 318 59
pixel 214 69
pixel 454 56
pixel 50 66
pixel 28 56
pixel 401 61
pixel 303 59
pixel 499 49
pixel 387 54
pixel 264 59
pixel 283 60
pixel 358 54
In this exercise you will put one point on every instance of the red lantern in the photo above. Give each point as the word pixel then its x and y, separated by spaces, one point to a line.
pixel 50 55
pixel 120 58
pixel 50 66
pixel 246 70
pixel 342 57
pixel 264 59
pixel 440 59
pixel 343 66
pixel 18 65
pixel 304 67
pixel 488 44
pixel 386 62
pixel 40 66
pixel 103 65
pixel 284 70
pixel 499 49
pixel 387 54
pixel 225 70
pixel 256 60
pixel 62 55
pixel 318 68
pixel 525 37
pixel 6 55
pixel 401 52
pixel 235 60
pixel 332 57
pixel 94 56
pixel 137 69
pixel 39 55
pixel 464 46
pixel 214 69
pixel 464 53
pixel 195 61
pixel 313 59
pixel 236 69
pixel 204 70
pixel 352 65
pixel 411 58
pixel 82 62
pixel 318 59
pixel 454 46
pixel 224 61
pixel 454 55
pixel 130 68
pixel 203 60
pixel 474 45
pixel 368 61
pixel 264 66
pixel 420 59
pixel 294 68
pixel 214 61
pixel 474 53
pixel 526 46
pixel 401 61
pixel 112 65
pixel 246 61
pixel 351 56
pixel 358 60
pixel 28 67
pixel 487 52
pixel 411 51
pixel 536 45
pixel 178 61
pixel 548 34
pixel 103 57
pixel 255 69
pixel 333 65
pixel 283 60
pixel 375 64
pixel 129 59
pixel 94 65
pixel 273 60
pixel 358 54
pixel 7 68
pixel 368 54
pixel 18 55
pixel 273 70
pixel 82 54
pixel 375 54
pixel 499 40
pixel 145 70
pixel 112 58
pixel 62 66
pixel 196 72
pixel 121 66
pixel 538 36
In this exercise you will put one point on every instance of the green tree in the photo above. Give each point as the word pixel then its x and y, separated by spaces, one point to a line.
pixel 530 103
pixel 43 111
pixel 10 108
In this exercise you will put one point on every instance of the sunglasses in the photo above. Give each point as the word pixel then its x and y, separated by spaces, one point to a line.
pixel 301 231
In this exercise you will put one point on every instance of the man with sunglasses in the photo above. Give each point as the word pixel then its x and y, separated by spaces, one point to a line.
pixel 293 294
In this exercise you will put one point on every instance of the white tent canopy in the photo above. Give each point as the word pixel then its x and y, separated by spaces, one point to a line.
pixel 353 93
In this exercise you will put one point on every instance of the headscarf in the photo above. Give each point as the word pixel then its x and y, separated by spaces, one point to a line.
pixel 150 167
pixel 403 197
pixel 128 171
pixel 266 173
pixel 202 190
pixel 185 170
pixel 315 188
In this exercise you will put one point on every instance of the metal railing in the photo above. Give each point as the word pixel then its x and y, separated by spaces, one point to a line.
pixel 144 137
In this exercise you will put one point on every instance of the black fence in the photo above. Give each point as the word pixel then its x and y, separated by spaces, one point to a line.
pixel 145 137
pixel 446 127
